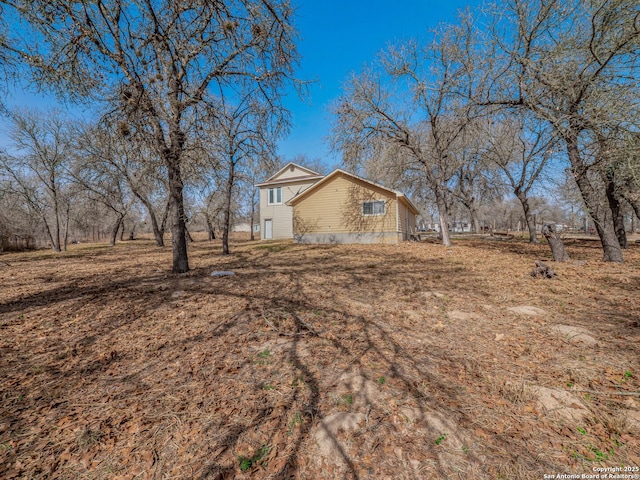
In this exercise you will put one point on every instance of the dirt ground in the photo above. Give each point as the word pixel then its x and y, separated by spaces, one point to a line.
pixel 313 362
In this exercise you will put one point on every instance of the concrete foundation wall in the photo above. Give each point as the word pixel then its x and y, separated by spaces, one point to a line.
pixel 336 238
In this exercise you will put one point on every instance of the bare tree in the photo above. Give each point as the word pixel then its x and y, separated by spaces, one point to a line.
pixel 19 224
pixel 520 147
pixel 410 99
pixel 618 160
pixel 36 173
pixel 107 158
pixel 103 183
pixel 242 132
pixel 159 62
pixel 475 181
pixel 573 64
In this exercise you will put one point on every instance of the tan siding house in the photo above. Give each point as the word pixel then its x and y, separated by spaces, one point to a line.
pixel 276 216
pixel 344 208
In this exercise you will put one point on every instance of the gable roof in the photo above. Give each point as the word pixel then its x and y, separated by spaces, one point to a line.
pixel 399 195
pixel 308 174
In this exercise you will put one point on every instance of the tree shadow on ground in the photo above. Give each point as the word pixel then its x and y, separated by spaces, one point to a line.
pixel 186 375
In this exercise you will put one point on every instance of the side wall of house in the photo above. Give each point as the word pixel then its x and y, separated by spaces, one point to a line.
pixel 403 215
pixel 407 221
pixel 281 215
pixel 333 213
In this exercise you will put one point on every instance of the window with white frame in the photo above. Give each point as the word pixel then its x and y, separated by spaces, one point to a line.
pixel 375 207
pixel 275 196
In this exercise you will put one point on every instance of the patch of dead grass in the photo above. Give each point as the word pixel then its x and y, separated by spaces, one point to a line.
pixel 108 373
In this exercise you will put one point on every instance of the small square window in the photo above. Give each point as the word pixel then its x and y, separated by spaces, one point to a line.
pixel 377 207
pixel 275 196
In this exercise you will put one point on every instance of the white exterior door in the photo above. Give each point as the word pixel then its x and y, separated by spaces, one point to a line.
pixel 268 229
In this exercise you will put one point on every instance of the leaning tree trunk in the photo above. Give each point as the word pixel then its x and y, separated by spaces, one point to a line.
pixel 67 219
pixel 601 218
pixel 616 209
pixel 49 233
pixel 531 221
pixel 114 231
pixel 176 214
pixel 158 233
pixel 189 237
pixel 634 201
pixel 165 215
pixel 555 242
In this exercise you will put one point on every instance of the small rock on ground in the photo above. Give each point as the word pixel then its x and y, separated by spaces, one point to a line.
pixel 576 335
pixel 560 403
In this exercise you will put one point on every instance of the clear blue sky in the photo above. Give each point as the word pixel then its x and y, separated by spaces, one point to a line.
pixel 337 38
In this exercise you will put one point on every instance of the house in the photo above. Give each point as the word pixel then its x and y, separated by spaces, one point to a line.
pixel 345 208
pixel 304 205
pixel 276 216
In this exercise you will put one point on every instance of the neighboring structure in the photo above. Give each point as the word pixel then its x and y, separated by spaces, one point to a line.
pixel 241 227
pixel 276 217
pixel 345 208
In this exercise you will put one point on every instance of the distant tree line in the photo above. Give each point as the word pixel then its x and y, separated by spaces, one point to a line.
pixel 67 181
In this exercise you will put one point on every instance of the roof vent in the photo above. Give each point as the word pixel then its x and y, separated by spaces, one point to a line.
pixel 292 168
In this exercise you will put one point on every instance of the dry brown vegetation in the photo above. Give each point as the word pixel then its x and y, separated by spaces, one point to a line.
pixel 318 362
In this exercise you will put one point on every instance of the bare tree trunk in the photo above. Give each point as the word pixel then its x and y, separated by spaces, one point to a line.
pixel 176 213
pixel 227 209
pixel 444 219
pixel 56 233
pixel 114 230
pixel 473 213
pixel 556 244
pixel 188 233
pixel 253 212
pixel 66 227
pixel 49 234
pixel 122 228
pixel 531 223
pixel 165 215
pixel 602 220
pixel 616 211
pixel 158 233
pixel 210 229
pixel 635 205
pixel 476 223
